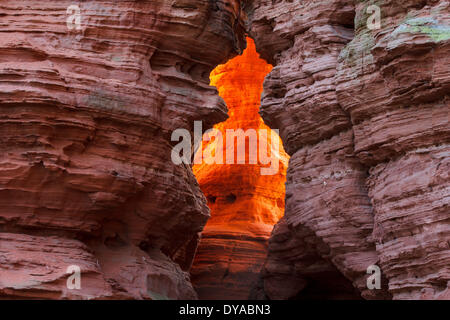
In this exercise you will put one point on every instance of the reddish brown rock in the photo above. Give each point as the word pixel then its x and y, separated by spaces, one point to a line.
pixel 402 133
pixel 298 267
pixel 86 116
pixel 325 182
pixel 86 177
pixel 244 203
pixel 364 117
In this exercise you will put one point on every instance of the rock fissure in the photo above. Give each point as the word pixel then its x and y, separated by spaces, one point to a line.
pixel 86 178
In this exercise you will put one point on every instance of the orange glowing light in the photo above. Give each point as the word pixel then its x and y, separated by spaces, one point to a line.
pixel 240 198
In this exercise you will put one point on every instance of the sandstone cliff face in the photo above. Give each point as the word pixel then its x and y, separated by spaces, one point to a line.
pixel 244 203
pixel 86 116
pixel 402 133
pixel 364 115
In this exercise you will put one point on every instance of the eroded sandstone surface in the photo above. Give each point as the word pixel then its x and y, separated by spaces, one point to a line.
pixel 85 118
pixel 245 202
pixel 364 115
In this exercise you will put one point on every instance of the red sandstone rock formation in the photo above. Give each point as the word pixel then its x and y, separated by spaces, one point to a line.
pixel 85 171
pixel 85 119
pixel 364 115
pixel 244 203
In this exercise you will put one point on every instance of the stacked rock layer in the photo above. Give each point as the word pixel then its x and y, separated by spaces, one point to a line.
pixel 89 95
pixel 245 201
pixel 87 109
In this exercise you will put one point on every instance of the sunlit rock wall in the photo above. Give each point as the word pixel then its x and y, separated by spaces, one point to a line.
pixel 245 204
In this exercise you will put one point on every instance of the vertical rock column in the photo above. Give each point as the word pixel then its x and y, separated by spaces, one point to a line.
pixel 364 114
pixel 85 121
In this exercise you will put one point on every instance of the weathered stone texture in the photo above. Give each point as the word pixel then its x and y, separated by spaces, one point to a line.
pixel 86 116
pixel 364 116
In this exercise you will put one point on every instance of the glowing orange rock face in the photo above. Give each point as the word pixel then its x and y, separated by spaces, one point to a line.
pixel 244 204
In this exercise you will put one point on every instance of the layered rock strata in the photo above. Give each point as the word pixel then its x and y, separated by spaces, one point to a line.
pixel 394 83
pixel 245 203
pixel 363 112
pixel 86 179
pixel 89 94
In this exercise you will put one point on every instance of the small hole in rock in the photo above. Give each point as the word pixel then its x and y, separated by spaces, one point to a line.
pixel 230 198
